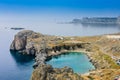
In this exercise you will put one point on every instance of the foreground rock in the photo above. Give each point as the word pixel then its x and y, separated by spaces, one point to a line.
pixel 47 72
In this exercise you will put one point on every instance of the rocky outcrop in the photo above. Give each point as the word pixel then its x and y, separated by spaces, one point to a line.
pixel 30 49
pixel 21 44
pixel 47 72
pixel 40 59
pixel 20 40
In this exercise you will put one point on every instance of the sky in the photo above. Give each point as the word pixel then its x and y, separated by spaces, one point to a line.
pixel 90 5
pixel 13 10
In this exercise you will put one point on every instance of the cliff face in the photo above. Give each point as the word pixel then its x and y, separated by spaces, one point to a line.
pixel 21 44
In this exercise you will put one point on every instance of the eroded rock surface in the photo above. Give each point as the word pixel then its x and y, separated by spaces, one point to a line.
pixel 47 72
pixel 21 44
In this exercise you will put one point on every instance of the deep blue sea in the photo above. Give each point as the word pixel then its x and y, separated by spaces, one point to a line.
pixel 13 67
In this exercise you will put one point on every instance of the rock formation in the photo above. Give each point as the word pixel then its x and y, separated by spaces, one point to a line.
pixel 21 44
pixel 47 72
pixel 40 59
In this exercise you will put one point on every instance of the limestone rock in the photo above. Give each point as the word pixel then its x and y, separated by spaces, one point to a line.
pixel 21 44
pixel 18 43
pixel 20 40
pixel 47 72
pixel 40 59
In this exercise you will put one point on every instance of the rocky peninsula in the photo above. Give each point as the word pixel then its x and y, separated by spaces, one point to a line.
pixel 103 52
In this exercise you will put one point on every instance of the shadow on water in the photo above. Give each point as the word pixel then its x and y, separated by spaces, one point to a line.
pixel 20 58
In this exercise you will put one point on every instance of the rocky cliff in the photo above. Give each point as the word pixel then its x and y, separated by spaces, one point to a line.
pixel 47 72
pixel 21 44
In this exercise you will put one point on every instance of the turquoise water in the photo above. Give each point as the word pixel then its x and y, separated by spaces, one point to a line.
pixel 79 62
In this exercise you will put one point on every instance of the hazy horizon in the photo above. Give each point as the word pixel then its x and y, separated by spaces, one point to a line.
pixel 34 12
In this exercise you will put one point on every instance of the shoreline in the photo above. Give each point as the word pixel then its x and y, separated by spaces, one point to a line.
pixel 87 53
pixel 82 51
pixel 45 46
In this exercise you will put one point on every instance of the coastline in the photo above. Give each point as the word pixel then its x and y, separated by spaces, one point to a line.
pixel 44 46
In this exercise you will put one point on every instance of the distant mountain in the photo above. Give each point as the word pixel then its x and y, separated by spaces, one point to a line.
pixel 97 20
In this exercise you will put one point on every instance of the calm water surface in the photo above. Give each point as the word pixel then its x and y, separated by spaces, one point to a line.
pixel 12 67
pixel 79 62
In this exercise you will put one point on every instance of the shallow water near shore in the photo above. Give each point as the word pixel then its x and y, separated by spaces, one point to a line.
pixel 79 62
